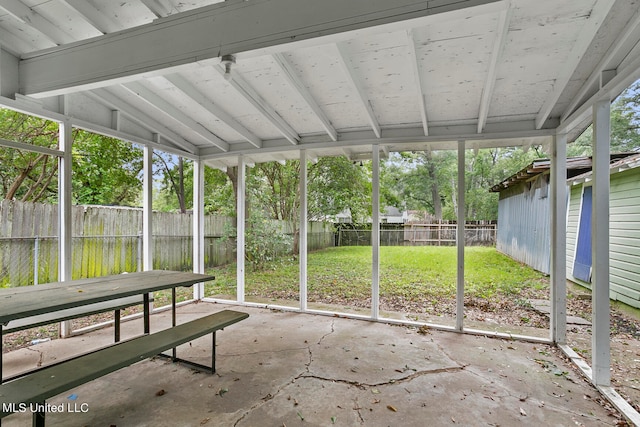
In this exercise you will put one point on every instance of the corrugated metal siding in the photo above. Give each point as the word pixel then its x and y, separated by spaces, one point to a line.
pixel 624 236
pixel 523 223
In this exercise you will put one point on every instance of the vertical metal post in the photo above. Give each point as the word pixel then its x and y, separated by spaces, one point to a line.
pixel 36 257
pixel 558 323
pixel 601 354
pixel 375 233
pixel 198 226
pixel 240 229
pixel 302 246
pixel 460 238
pixel 65 265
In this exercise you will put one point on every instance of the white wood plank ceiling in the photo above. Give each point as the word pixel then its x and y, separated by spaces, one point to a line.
pixel 332 76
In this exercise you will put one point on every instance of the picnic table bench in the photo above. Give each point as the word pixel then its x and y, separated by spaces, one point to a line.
pixel 30 391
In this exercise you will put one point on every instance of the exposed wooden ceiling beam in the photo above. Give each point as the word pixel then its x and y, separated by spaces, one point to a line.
pixel 245 90
pixel 295 81
pixel 583 41
pixel 30 17
pixel 496 53
pixel 159 8
pixel 172 112
pixel 93 16
pixel 105 97
pixel 356 84
pixel 417 77
pixel 189 37
pixel 197 96
pixel 627 38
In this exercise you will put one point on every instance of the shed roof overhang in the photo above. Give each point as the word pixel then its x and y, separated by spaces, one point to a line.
pixel 331 77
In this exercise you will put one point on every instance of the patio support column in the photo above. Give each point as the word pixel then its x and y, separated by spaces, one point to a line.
pixel 601 359
pixel 375 233
pixel 460 238
pixel 240 228
pixel 198 226
pixel 147 209
pixel 558 260
pixel 65 140
pixel 303 229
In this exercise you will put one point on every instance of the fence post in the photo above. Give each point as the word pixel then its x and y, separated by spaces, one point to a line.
pixel 36 257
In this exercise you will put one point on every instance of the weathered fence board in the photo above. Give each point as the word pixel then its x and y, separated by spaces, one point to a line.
pixel 107 240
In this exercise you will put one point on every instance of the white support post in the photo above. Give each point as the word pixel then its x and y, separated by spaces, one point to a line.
pixel 302 245
pixel 198 226
pixel 240 229
pixel 375 233
pixel 147 214
pixel 460 242
pixel 147 210
pixel 65 263
pixel 558 323
pixel 601 354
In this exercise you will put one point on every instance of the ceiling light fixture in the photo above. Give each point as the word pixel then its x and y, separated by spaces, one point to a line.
pixel 227 60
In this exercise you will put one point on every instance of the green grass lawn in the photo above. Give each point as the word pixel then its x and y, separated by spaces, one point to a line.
pixel 413 273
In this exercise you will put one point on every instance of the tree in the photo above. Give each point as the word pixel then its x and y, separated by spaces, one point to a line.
pixel 336 184
pixel 27 175
pixel 106 171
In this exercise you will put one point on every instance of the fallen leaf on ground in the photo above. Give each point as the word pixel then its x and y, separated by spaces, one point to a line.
pixel 392 408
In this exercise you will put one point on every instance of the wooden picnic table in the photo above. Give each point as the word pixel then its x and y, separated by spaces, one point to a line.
pixel 19 303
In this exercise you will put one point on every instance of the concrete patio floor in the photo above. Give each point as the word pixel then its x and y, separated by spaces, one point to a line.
pixel 289 369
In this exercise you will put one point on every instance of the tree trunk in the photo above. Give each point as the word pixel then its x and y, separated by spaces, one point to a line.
pixel 435 191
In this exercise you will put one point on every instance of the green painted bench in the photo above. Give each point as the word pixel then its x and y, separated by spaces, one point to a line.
pixel 36 387
pixel 76 312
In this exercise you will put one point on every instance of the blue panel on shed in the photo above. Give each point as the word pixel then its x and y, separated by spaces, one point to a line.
pixel 582 264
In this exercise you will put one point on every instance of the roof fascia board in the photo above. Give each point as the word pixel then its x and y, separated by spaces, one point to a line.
pixel 213 31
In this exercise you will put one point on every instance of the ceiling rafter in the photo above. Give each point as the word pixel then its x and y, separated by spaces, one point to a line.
pixel 496 54
pixel 295 81
pixel 159 8
pixel 583 40
pixel 417 78
pixel 356 83
pixel 93 16
pixel 198 97
pixel 165 107
pixel 30 17
pixel 628 37
pixel 13 43
pixel 245 90
pixel 105 97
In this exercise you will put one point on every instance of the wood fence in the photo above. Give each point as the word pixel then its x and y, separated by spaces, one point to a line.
pixel 477 233
pixel 108 240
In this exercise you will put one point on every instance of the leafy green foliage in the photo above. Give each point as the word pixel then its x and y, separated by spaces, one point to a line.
pixel 265 240
pixel 106 171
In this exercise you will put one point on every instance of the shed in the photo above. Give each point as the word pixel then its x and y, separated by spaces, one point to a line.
pixel 524 231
